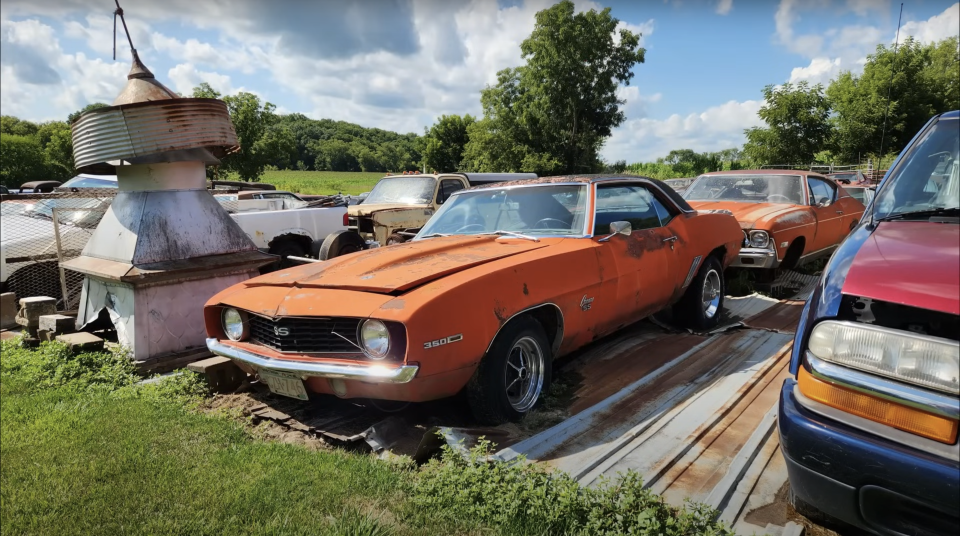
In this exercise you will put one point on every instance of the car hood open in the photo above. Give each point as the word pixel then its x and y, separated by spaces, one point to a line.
pixel 401 267
pixel 910 263
pixel 748 214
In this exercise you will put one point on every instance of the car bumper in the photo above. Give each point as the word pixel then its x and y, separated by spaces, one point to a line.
pixel 756 258
pixel 364 373
pixel 863 479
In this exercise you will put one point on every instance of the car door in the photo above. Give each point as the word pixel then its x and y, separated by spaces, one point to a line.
pixel 641 261
pixel 829 213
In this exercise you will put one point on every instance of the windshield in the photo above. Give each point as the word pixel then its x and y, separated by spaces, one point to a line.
pixel 747 189
pixel 405 190
pixel 89 182
pixel 543 210
pixel 852 177
pixel 70 211
pixel 928 176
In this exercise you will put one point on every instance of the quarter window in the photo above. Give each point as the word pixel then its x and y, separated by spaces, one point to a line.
pixel 447 187
pixel 631 203
pixel 820 190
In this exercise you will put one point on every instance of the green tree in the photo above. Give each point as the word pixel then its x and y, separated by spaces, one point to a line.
pixel 443 142
pixel 920 81
pixel 16 126
pixel 56 139
pixel 554 113
pixel 259 143
pixel 278 146
pixel 205 91
pixel 798 126
pixel 21 160
pixel 92 106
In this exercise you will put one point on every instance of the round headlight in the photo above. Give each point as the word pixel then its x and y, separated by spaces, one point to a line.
pixel 759 239
pixel 375 339
pixel 234 324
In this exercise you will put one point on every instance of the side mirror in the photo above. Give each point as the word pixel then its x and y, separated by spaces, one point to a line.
pixel 823 202
pixel 618 227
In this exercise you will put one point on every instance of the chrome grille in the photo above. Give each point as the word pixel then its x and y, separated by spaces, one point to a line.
pixel 306 335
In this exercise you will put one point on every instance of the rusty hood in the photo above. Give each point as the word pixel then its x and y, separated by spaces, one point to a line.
pixel 367 210
pixel 401 267
pixel 749 215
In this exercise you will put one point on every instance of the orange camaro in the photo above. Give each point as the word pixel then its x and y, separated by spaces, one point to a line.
pixel 788 217
pixel 499 282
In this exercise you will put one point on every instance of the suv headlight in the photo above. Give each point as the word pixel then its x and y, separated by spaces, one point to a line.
pixel 234 324
pixel 759 239
pixel 922 360
pixel 375 338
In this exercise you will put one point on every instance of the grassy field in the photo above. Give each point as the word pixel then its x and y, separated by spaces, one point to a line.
pixel 322 182
pixel 85 449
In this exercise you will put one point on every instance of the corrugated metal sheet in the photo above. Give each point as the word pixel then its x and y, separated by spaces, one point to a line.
pixel 131 131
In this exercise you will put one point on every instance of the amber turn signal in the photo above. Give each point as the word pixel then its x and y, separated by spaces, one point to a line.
pixel 901 417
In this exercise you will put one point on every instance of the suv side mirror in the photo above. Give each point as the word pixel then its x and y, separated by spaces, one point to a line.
pixel 618 227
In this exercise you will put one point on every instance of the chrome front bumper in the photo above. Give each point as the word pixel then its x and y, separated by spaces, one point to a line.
pixel 756 258
pixel 365 373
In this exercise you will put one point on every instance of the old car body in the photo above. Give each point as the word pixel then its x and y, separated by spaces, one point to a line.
pixel 398 206
pixel 856 184
pixel 552 264
pixel 679 184
pixel 788 217
pixel 868 424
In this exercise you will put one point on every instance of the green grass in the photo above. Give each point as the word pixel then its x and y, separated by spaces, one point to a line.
pixel 321 182
pixel 84 449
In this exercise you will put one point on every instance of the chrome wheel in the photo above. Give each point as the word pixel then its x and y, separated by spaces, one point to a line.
pixel 523 374
pixel 710 296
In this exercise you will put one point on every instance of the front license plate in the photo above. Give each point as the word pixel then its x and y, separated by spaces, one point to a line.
pixel 284 383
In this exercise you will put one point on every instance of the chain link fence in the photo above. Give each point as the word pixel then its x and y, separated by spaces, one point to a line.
pixel 40 231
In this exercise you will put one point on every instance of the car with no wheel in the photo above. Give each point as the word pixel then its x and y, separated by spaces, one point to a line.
pixel 501 281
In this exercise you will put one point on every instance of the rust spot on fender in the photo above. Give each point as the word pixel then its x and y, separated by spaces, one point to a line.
pixel 525 291
pixel 500 312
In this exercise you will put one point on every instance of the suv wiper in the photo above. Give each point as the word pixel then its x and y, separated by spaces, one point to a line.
pixel 501 232
pixel 941 211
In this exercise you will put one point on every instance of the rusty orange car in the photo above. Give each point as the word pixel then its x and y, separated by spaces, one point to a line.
pixel 502 280
pixel 788 217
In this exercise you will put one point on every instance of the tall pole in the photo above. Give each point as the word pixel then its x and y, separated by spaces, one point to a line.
pixel 893 69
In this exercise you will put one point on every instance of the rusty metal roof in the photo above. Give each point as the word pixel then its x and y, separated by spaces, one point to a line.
pixel 142 86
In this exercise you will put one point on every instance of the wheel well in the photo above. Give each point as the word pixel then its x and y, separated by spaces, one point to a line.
pixel 550 318
pixel 302 240
pixel 794 252
pixel 720 253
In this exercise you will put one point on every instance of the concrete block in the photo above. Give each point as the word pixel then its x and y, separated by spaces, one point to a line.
pixel 59 324
pixel 31 309
pixel 8 310
pixel 82 342
pixel 221 373
pixel 45 335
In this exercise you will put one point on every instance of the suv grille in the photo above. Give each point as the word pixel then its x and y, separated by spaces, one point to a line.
pixel 306 335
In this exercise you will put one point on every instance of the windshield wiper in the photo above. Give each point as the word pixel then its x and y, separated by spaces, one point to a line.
pixel 434 235
pixel 512 234
pixel 941 211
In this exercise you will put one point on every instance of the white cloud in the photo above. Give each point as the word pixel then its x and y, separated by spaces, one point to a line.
pixel 820 71
pixel 186 76
pixel 936 28
pixel 716 128
pixel 808 45
pixel 724 7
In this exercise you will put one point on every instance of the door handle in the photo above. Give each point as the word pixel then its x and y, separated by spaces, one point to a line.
pixel 670 239
pixel 839 212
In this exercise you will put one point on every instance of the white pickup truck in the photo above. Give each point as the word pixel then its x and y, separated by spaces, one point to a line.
pixel 280 223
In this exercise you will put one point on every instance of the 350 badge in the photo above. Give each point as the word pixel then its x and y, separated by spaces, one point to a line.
pixel 440 342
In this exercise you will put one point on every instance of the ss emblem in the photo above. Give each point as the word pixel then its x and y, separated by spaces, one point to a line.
pixel 281 332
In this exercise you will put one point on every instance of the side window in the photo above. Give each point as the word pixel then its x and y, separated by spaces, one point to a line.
pixel 447 187
pixel 820 190
pixel 625 202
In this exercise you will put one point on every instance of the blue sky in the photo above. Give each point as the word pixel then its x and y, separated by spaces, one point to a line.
pixel 398 64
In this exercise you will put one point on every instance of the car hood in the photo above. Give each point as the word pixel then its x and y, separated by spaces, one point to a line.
pixel 366 210
pixel 748 214
pixel 910 263
pixel 401 267
pixel 17 228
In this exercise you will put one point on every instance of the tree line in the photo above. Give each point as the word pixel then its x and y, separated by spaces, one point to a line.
pixel 553 114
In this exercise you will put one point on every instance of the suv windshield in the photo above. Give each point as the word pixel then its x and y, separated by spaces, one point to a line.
pixel 547 209
pixel 747 189
pixel 404 190
pixel 928 177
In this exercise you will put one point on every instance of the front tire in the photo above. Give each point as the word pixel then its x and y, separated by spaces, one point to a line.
pixel 287 248
pixel 702 304
pixel 514 374
pixel 340 243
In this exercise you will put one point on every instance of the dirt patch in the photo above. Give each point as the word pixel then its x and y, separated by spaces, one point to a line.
pixel 775 512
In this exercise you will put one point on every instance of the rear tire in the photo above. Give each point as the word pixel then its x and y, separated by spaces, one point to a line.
pixel 340 243
pixel 702 303
pixel 513 376
pixel 395 238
